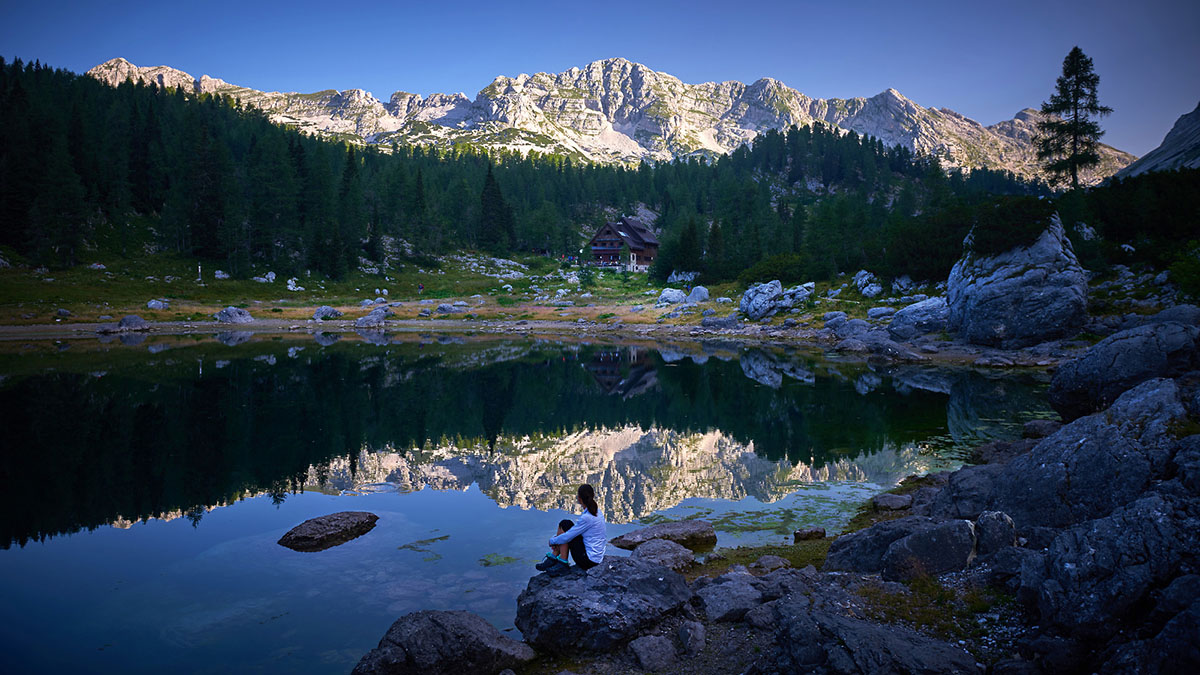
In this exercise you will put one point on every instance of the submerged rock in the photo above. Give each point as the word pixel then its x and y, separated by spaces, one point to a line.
pixel 597 610
pixel 318 534
pixel 693 534
pixel 443 643
pixel 1021 297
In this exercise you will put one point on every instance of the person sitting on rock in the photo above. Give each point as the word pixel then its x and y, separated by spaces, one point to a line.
pixel 583 541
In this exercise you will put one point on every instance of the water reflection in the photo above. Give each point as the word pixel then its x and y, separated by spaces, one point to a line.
pixel 523 421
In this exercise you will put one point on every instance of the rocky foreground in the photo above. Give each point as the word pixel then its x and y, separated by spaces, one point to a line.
pixel 1074 550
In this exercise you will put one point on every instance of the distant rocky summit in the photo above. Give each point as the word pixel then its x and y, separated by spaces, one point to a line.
pixel 617 111
pixel 1179 150
pixel 1021 297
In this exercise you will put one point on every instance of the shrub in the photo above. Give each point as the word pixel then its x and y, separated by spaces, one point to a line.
pixel 1009 222
pixel 1185 271
pixel 786 267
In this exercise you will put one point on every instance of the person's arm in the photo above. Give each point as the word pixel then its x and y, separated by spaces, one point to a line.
pixel 582 526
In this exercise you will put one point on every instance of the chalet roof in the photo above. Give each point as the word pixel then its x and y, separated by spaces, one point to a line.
pixel 634 233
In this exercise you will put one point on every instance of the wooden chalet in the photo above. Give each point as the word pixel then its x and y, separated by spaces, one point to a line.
pixel 608 241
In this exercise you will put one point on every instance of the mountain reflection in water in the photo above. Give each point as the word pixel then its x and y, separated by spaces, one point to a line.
pixel 178 431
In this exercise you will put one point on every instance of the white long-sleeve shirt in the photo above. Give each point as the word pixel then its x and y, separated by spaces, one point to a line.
pixel 591 528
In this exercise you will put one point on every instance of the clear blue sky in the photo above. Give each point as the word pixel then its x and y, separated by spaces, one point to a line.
pixel 985 60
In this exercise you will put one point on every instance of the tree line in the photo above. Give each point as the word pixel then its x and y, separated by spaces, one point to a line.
pixel 209 178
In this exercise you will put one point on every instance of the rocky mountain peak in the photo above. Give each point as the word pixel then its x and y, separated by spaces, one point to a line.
pixel 617 111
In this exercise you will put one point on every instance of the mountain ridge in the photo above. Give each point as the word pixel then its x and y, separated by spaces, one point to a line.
pixel 1180 148
pixel 618 111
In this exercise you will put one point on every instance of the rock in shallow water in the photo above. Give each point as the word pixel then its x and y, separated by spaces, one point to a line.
pixel 233 315
pixel 443 643
pixel 597 610
pixel 693 534
pixel 318 534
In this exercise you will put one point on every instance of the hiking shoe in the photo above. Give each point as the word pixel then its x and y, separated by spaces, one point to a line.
pixel 559 568
pixel 550 562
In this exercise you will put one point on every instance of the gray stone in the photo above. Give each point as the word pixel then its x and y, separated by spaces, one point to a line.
pixel 852 328
pixel 927 316
pixel 233 315
pixel 891 502
pixel 433 642
pixel 596 610
pixel 1040 428
pixel 760 300
pixel 375 318
pixel 128 323
pixel 666 553
pixel 325 312
pixel 653 652
pixel 830 316
pixel 318 534
pixel 994 531
pixel 880 312
pixel 694 534
pixel 158 304
pixel 691 637
pixel 770 563
pixel 808 533
pixel 698 294
pixel 1020 297
pixel 724 301
pixel 761 617
pixel 863 551
pixel 1121 361
pixel 728 599
pixel 867 284
pixel 945 547
pixel 818 641
pixel 671 296
pixel 445 308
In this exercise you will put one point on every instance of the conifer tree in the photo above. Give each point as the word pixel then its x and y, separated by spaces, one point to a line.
pixel 495 217
pixel 1069 135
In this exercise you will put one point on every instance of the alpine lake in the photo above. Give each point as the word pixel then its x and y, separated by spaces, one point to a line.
pixel 148 479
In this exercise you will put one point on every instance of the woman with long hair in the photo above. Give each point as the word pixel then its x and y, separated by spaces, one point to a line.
pixel 582 541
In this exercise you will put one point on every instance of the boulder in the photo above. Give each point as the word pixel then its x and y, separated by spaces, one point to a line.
pixel 375 318
pixel 1021 297
pixel 880 312
pixel 724 322
pixel 691 637
pixel 325 312
pixel 863 551
pixel 698 294
pixel 671 296
pixel 233 315
pixel 808 533
pixel 653 652
pixel 760 300
pixel 158 304
pixel 809 640
pixel 945 547
pixel 666 553
pixel 724 300
pixel 729 597
pixel 1040 428
pixel 994 531
pixel 891 502
pixel 1097 576
pixel 1084 471
pixel 447 308
pixel 770 563
pixel 127 324
pixel 867 284
pixel 927 316
pixel 433 642
pixel 597 610
pixel 694 534
pixel 1121 361
pixel 318 534
pixel 851 328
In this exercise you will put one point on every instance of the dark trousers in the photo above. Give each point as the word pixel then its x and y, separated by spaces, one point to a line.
pixel 577 549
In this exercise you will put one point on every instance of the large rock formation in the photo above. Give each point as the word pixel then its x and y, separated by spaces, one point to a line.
pixel 443 643
pixel 1021 297
pixel 1179 150
pixel 597 610
pixel 618 111
pixel 919 318
pixel 1121 361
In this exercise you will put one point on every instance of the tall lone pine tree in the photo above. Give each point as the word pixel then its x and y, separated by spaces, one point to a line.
pixel 1069 135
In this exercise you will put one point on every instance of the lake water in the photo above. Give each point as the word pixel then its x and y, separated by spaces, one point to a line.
pixel 146 484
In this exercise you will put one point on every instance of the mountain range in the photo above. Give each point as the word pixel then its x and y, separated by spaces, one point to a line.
pixel 1179 150
pixel 617 111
